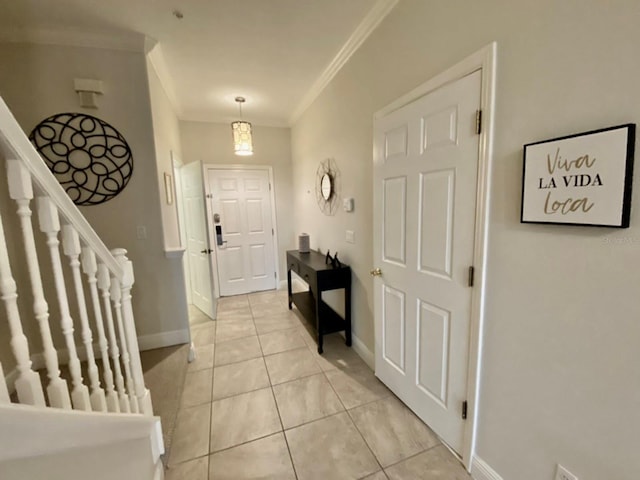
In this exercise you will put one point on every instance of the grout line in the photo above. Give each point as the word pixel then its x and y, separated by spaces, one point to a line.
pixel 365 441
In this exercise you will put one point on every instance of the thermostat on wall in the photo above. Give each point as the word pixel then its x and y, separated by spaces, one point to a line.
pixel 347 204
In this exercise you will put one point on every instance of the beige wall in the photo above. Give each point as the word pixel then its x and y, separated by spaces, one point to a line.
pixel 211 143
pixel 560 380
pixel 36 81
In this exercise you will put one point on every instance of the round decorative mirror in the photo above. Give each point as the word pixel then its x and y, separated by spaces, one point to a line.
pixel 326 186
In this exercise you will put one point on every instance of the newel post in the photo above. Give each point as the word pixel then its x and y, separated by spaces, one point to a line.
pixel 141 392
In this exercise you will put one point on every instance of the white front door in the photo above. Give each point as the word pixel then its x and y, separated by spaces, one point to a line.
pixel 425 183
pixel 243 230
pixel 198 253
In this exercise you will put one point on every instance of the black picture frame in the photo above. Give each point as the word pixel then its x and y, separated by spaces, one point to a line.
pixel 583 179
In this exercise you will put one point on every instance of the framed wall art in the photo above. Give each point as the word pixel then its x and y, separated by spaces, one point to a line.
pixel 582 179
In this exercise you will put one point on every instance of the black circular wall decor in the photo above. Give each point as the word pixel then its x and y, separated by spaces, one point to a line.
pixel 89 157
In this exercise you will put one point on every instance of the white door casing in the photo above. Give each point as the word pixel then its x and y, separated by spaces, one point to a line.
pixel 198 254
pixel 246 260
pixel 427 244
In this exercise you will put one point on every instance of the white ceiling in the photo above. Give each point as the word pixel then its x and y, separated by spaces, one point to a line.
pixel 276 53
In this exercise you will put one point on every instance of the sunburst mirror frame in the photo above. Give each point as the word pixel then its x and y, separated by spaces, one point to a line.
pixel 328 186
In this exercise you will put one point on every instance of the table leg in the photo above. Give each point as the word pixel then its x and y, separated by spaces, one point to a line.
pixel 289 287
pixel 347 313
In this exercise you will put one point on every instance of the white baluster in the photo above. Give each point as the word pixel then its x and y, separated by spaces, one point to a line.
pixel 28 383
pixel 104 284
pixel 20 190
pixel 71 247
pixel 142 393
pixel 116 298
pixel 50 225
pixel 90 268
pixel 4 393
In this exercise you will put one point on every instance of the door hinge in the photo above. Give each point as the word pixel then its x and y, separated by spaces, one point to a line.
pixel 269 186
pixel 472 272
pixel 478 122
pixel 274 275
pixel 273 232
pixel 464 410
pixel 209 195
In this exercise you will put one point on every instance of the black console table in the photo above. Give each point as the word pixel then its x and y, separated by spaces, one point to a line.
pixel 311 267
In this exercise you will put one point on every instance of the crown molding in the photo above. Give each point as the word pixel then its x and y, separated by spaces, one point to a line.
pixel 379 11
pixel 72 37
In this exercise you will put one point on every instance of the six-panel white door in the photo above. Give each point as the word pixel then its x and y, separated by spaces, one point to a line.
pixel 246 257
pixel 198 254
pixel 425 182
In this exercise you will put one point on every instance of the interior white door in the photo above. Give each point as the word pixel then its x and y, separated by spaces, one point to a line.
pixel 198 251
pixel 244 231
pixel 425 182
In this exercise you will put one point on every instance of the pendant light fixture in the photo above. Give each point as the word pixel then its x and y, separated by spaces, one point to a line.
pixel 242 139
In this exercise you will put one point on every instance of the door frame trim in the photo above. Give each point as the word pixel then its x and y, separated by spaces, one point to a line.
pixel 272 192
pixel 485 61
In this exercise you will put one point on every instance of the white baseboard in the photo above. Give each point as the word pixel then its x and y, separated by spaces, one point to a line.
pixel 480 470
pixel 361 349
pixel 164 339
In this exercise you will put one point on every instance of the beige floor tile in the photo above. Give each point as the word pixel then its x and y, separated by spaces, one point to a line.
pixel 234 301
pixel 235 315
pixel 286 366
pixel 281 341
pixel 273 323
pixel 203 360
pixel 357 386
pixel 336 354
pixel 392 431
pixel 192 470
pixel 379 476
pixel 267 458
pixel 241 377
pixel 243 418
pixel 203 334
pixel 262 298
pixel 237 350
pixel 308 334
pixel 197 388
pixel 330 448
pixel 305 400
pixel 437 463
pixel 191 436
pixel 231 329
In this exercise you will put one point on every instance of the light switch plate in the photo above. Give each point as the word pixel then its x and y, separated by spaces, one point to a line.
pixel 351 236
pixel 141 232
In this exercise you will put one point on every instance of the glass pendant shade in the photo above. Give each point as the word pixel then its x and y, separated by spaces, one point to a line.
pixel 242 140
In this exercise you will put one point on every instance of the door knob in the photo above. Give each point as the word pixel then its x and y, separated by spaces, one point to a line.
pixel 376 272
pixel 206 250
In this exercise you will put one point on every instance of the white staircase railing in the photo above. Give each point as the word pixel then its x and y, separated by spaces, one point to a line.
pixel 106 275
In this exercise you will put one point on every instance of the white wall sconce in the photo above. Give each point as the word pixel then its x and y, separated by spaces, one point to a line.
pixel 242 137
pixel 88 90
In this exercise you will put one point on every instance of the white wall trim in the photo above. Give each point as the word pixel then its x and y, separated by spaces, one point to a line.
pixel 361 349
pixel 485 61
pixel 177 252
pixel 379 11
pixel 163 339
pixel 480 470
pixel 74 37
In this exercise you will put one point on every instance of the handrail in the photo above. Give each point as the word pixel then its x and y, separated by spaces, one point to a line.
pixel 15 145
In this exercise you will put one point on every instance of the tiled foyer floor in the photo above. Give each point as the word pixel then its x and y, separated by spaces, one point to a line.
pixel 260 403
